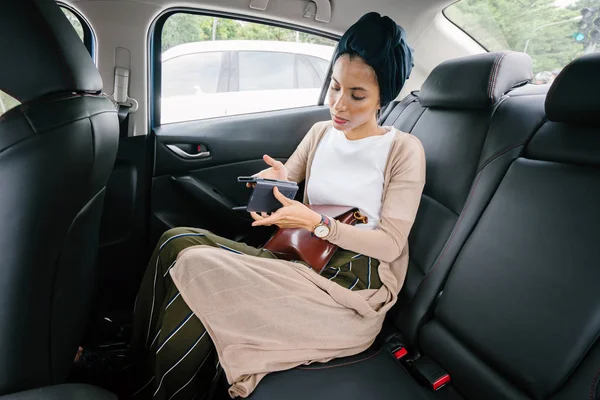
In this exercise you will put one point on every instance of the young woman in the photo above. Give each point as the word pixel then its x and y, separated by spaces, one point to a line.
pixel 206 300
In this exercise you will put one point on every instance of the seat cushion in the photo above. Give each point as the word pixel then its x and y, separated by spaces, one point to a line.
pixel 373 374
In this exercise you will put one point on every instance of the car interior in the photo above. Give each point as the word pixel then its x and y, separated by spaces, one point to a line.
pixel 502 294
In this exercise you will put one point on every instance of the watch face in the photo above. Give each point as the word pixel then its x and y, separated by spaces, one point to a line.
pixel 321 231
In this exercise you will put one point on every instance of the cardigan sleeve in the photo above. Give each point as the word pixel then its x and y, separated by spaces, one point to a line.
pixel 399 208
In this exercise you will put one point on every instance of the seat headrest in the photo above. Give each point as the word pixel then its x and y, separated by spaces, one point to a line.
pixel 574 94
pixel 476 81
pixel 41 52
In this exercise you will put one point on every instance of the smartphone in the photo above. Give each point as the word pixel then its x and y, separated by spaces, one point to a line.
pixel 262 198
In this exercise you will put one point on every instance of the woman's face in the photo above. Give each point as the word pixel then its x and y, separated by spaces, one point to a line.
pixel 353 93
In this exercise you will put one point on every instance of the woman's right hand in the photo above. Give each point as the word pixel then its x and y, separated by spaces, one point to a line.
pixel 275 171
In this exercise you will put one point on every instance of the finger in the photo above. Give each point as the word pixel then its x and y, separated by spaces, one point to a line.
pixel 272 162
pixel 250 184
pixel 270 220
pixel 264 214
pixel 280 197
pixel 255 216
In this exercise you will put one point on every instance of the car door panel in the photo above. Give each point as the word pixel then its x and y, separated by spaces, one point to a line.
pixel 202 192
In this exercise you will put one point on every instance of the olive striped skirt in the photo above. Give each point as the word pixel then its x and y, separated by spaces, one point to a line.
pixel 173 355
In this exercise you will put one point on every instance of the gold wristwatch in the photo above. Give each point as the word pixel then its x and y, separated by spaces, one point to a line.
pixel 323 228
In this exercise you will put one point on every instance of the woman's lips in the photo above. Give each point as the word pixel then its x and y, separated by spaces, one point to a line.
pixel 339 121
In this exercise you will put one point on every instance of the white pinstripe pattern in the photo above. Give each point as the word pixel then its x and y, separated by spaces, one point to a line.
pixel 192 378
pixel 336 274
pixel 171 302
pixel 168 269
pixel 354 284
pixel 155 337
pixel 174 332
pixel 153 299
pixel 142 388
pixel 156 273
pixel 356 256
pixel 178 236
pixel 177 363
pixel 228 248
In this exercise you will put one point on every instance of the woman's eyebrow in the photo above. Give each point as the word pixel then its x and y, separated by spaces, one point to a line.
pixel 352 88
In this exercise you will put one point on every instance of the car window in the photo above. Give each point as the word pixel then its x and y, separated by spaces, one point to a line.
pixel 261 70
pixel 191 74
pixel 74 21
pixel 552 32
pixel 307 75
pixel 213 67
pixel 320 66
pixel 7 102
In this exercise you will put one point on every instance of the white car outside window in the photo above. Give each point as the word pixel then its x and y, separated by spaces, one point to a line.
pixel 217 78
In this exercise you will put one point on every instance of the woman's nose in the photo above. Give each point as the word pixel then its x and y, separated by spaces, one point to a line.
pixel 340 104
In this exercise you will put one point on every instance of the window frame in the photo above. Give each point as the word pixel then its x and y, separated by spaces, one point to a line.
pixel 89 36
pixel 155 45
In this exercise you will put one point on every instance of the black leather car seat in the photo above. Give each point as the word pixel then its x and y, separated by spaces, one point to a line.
pixel 57 151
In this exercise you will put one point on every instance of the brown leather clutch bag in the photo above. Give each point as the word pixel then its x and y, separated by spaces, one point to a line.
pixel 300 244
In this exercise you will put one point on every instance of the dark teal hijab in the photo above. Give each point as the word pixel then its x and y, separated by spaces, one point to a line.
pixel 382 44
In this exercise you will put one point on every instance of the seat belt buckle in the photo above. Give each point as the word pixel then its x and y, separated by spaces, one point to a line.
pixel 399 352
pixel 396 347
pixel 430 373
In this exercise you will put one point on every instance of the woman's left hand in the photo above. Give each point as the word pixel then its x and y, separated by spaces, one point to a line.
pixel 293 214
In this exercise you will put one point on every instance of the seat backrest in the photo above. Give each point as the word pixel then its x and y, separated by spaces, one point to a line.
pixel 457 106
pixel 57 151
pixel 519 316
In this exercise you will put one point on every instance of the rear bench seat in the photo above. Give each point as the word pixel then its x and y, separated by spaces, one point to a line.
pixel 519 315
pixel 455 108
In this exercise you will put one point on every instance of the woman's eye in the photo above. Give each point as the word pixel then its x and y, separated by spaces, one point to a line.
pixel 357 98
pixel 337 89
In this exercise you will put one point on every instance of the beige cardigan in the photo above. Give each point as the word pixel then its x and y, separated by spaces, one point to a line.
pixel 267 315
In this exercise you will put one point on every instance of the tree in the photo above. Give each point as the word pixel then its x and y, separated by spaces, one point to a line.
pixel 74 21
pixel 183 28
pixel 543 29
pixel 7 102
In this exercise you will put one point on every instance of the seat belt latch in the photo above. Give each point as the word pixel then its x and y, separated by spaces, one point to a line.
pixel 430 373
pixel 399 352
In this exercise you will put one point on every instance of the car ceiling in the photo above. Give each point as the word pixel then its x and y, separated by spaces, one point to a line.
pixel 413 15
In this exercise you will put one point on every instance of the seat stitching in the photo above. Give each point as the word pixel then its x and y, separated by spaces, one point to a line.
pixel 513 146
pixel 464 211
pixel 497 73
pixel 12 145
pixel 462 214
pixel 494 76
pixel 440 204
pixel 594 383
pixel 340 365
pixel 502 152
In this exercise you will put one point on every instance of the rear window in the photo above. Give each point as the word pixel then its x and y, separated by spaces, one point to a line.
pixel 552 32
pixel 7 102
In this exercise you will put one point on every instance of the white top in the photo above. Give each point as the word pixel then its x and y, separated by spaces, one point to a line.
pixel 350 173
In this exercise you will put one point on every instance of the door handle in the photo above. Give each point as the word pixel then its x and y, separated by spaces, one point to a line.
pixel 184 154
